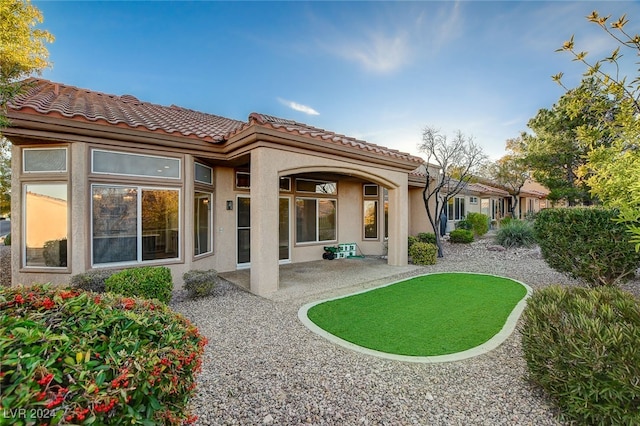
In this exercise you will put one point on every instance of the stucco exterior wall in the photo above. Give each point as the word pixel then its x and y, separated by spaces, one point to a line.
pixel 418 219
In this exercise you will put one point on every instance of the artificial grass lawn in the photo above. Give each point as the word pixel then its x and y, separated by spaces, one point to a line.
pixel 431 315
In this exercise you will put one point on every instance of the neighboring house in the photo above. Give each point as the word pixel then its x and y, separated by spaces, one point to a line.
pixel 128 183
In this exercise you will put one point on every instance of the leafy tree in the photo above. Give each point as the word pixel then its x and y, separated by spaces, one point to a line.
pixel 22 53
pixel 22 48
pixel 512 171
pixel 554 152
pixel 5 177
pixel 449 167
pixel 612 169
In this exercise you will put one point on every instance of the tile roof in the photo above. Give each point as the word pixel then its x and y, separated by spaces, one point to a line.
pixel 302 129
pixel 49 98
pixel 55 99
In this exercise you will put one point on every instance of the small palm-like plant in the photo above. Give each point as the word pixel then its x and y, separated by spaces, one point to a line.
pixel 516 233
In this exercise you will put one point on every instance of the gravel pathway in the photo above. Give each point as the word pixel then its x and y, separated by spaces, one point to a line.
pixel 262 366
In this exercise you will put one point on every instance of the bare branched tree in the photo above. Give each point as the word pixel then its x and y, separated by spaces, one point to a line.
pixel 449 167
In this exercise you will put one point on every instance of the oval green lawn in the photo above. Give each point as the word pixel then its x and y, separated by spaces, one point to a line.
pixel 430 315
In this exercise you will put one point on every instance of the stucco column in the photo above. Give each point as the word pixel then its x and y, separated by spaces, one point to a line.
pixel 398 224
pixel 264 222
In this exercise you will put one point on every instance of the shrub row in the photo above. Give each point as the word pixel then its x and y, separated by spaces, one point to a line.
pixel 583 347
pixel 91 358
pixel 461 236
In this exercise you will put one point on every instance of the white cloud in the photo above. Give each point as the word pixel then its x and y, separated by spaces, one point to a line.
pixel 378 52
pixel 298 107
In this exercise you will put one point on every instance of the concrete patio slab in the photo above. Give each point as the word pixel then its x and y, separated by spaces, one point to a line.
pixel 328 278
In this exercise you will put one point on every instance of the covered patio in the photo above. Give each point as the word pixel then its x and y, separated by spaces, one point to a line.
pixel 328 278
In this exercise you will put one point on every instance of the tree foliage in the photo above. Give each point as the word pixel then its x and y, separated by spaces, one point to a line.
pixel 455 161
pixel 23 48
pixel 612 168
pixel 511 171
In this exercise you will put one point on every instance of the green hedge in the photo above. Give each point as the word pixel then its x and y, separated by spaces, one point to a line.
pixel 461 236
pixel 423 253
pixel 587 244
pixel 427 237
pixel 583 347
pixel 148 282
pixel 94 280
pixel 86 358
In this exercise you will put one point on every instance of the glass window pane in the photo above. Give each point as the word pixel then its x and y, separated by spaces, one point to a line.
pixel 115 231
pixel 202 223
pixel 160 218
pixel 305 220
pixel 326 220
pixel 135 165
pixel 243 180
pixel 45 159
pixel 244 212
pixel 285 184
pixel 371 190
pixel 203 174
pixel 370 219
pixel 317 187
pixel 45 225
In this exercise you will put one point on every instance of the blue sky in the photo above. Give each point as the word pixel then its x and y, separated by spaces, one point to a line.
pixel 378 71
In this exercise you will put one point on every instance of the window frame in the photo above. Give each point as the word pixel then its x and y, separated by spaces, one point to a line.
pixel 163 178
pixel 317 221
pixel 139 243
pixel 195 178
pixel 31 172
pixel 23 230
pixel 209 195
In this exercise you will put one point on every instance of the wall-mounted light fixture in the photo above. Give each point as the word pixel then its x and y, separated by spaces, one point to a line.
pixel 229 205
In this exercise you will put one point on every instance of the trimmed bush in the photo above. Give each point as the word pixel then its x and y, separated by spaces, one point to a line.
pixel 411 241
pixel 423 253
pixel 479 223
pixel 148 282
pixel 200 283
pixel 461 236
pixel 7 239
pixel 583 347
pixel 427 237
pixel 587 244
pixel 85 358
pixel 91 280
pixel 516 233
pixel 464 224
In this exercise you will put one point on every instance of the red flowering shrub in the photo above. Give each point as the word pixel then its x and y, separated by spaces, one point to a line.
pixel 74 357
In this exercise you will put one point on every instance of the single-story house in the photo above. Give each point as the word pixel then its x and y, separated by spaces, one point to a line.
pixel 106 181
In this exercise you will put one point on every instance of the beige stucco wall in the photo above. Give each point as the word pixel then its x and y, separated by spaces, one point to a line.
pixel 418 219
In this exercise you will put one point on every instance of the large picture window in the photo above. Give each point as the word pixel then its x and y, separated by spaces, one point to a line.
pixel 315 220
pixel 132 224
pixel 46 225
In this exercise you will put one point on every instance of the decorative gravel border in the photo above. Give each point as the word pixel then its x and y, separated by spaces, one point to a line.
pixel 489 345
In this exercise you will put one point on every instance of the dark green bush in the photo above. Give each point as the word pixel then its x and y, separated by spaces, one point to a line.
pixel 427 237
pixel 148 282
pixel 461 236
pixel 479 223
pixel 85 358
pixel 92 280
pixel 200 283
pixel 464 224
pixel 7 239
pixel 516 233
pixel 587 244
pixel 583 347
pixel 423 253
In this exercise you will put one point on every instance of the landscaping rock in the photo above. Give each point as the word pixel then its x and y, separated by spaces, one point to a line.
pixel 496 248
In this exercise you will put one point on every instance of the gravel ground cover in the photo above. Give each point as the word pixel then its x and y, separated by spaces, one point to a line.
pixel 262 366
